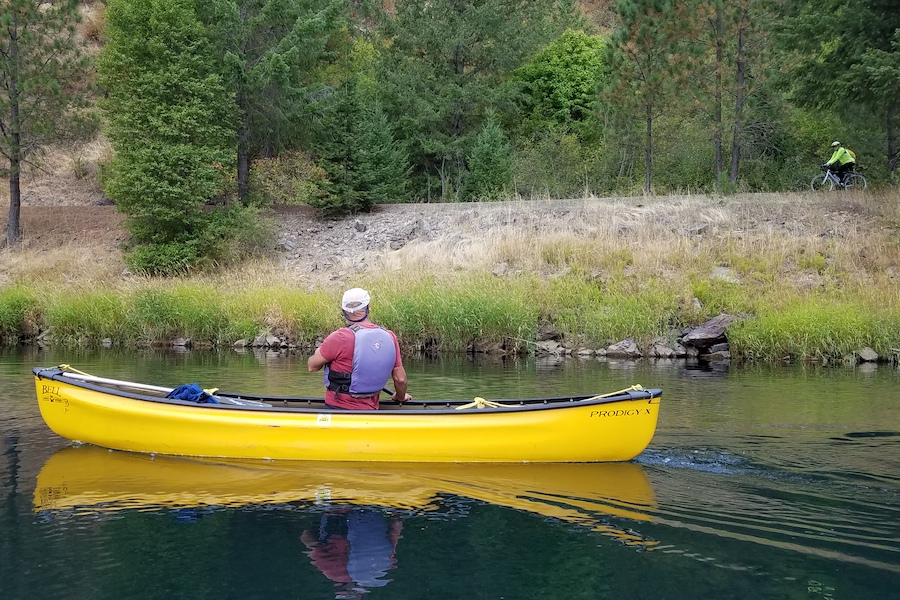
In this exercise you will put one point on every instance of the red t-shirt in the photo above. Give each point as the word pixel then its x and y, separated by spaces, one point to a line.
pixel 337 349
pixel 331 558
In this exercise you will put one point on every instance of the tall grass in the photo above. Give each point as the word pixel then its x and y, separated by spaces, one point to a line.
pixel 161 313
pixel 453 312
pixel 15 304
pixel 820 329
pixel 87 317
pixel 287 313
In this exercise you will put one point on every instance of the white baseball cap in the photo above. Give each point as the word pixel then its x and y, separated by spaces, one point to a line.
pixel 355 300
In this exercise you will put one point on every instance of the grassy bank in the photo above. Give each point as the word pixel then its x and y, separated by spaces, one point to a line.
pixel 814 276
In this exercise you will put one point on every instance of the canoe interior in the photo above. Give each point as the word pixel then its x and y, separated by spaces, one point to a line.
pixel 304 404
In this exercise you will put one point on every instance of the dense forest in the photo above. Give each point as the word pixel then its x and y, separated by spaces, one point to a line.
pixel 215 109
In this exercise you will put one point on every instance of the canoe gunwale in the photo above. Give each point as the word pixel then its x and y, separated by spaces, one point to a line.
pixel 317 405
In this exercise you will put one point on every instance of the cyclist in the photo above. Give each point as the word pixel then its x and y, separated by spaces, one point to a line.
pixel 842 161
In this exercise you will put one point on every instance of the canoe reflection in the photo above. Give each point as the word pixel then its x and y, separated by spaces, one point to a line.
pixel 91 480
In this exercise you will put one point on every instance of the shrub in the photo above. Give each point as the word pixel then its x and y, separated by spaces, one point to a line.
pixel 169 258
pixel 289 178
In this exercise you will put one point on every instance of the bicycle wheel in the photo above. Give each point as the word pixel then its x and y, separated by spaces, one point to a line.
pixel 855 181
pixel 821 182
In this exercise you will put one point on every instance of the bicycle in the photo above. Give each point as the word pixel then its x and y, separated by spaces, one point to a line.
pixel 830 181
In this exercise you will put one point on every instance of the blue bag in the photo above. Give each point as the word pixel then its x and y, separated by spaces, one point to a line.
pixel 192 392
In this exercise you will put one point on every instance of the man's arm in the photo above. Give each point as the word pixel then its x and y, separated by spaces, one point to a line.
pixel 316 361
pixel 399 377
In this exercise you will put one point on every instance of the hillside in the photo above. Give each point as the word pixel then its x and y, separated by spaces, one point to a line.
pixel 500 237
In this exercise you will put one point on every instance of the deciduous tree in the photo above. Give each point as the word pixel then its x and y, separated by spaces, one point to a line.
pixel 561 81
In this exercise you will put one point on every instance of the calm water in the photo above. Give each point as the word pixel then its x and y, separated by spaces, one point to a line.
pixel 760 483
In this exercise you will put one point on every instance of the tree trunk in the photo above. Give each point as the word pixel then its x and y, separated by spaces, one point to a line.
pixel 892 150
pixel 15 202
pixel 741 65
pixel 243 160
pixel 15 150
pixel 648 150
pixel 717 133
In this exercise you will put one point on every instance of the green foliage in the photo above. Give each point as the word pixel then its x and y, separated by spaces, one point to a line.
pixel 288 313
pixel 814 329
pixel 232 234
pixel 640 56
pixel 289 178
pixel 447 62
pixel 451 312
pixel 489 164
pixel 718 296
pixel 161 314
pixel 478 308
pixel 557 164
pixel 15 304
pixel 844 55
pixel 168 119
pixel 380 162
pixel 267 51
pixel 87 317
pixel 365 163
pixel 163 258
pixel 561 81
pixel 224 236
pixel 602 314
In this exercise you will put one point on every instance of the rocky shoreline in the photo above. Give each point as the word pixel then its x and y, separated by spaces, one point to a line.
pixel 707 342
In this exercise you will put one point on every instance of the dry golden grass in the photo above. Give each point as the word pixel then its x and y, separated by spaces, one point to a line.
pixel 93 20
pixel 801 239
pixel 77 267
pixel 66 176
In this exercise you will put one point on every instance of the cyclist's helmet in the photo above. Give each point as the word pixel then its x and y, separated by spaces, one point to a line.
pixel 835 144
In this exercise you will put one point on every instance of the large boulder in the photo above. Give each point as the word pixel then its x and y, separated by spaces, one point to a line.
pixel 624 349
pixel 710 333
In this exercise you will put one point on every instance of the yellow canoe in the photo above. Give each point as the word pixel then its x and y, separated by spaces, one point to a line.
pixel 91 480
pixel 138 417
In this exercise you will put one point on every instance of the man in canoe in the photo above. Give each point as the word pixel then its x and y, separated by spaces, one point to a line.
pixel 359 358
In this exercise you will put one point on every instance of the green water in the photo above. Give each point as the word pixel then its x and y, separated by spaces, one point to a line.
pixel 760 483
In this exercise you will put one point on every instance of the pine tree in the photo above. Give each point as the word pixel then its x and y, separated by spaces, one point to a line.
pixel 489 163
pixel 169 118
pixel 643 59
pixel 268 50
pixel 365 162
pixel 447 62
pixel 41 60
pixel 381 163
